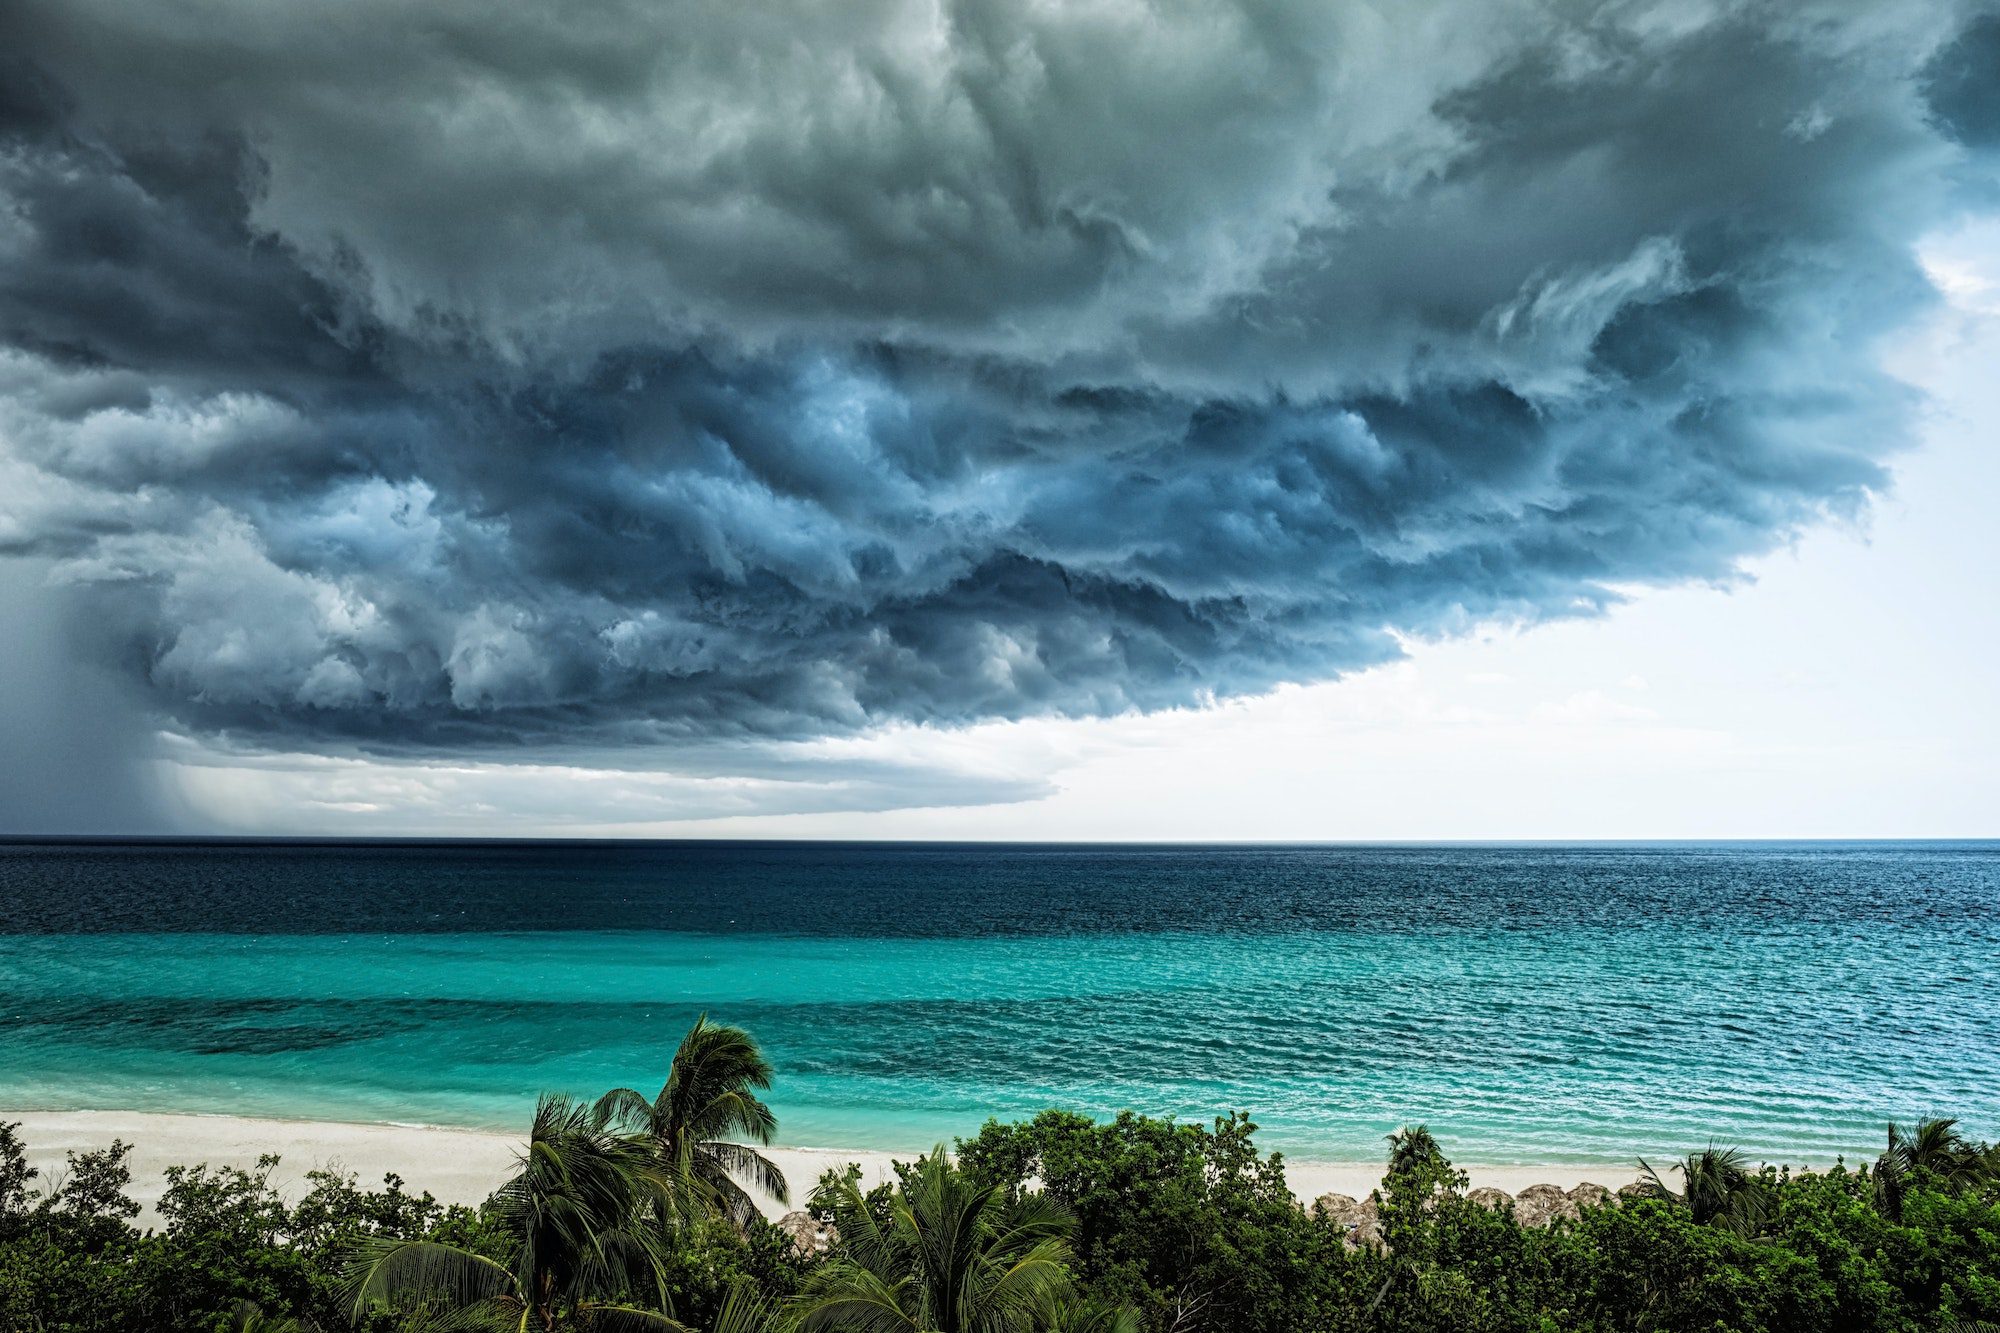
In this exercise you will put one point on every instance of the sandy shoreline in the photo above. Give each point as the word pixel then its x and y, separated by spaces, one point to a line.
pixel 464 1165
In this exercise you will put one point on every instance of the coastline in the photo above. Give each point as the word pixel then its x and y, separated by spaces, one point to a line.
pixel 465 1165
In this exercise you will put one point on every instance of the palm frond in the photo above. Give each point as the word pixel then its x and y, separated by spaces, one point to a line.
pixel 850 1298
pixel 1071 1313
pixel 734 1111
pixel 626 1319
pixel 406 1272
pixel 1411 1147
pixel 713 1059
pixel 504 1316
pixel 1936 1146
pixel 1747 1212
pixel 744 1163
pixel 579 1212
pixel 626 1109
pixel 727 1199
pixel 707 1103
pixel 1036 1215
pixel 1717 1186
pixel 1656 1183
pixel 948 1252
pixel 1033 1277
pixel 865 1238
pixel 745 1310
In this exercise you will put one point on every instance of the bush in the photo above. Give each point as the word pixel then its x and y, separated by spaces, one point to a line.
pixel 1189 1225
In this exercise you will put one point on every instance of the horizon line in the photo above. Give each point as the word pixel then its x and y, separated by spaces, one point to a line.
pixel 557 840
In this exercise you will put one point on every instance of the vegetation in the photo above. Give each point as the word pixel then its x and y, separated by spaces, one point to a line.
pixel 630 1214
pixel 575 1230
pixel 707 1106
pixel 1932 1150
pixel 941 1253
pixel 1189 1226
pixel 1718 1188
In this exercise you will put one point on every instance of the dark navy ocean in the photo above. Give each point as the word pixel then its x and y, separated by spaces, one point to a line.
pixel 1534 1004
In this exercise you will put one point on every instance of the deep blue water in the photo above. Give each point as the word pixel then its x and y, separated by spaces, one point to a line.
pixel 1532 1003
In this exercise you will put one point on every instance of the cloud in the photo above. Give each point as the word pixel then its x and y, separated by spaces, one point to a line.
pixel 445 383
pixel 1960 87
pixel 280 793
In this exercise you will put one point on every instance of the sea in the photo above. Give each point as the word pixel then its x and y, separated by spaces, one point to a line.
pixel 1533 1004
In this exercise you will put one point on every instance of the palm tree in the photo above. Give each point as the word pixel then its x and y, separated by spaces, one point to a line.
pixel 1718 1187
pixel 1933 1147
pixel 944 1256
pixel 708 1101
pixel 1411 1147
pixel 576 1215
pixel 1936 1145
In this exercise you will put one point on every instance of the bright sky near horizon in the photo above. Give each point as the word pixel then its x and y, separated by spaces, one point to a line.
pixel 1110 421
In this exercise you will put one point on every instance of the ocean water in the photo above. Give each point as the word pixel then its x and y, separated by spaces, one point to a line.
pixel 1533 1004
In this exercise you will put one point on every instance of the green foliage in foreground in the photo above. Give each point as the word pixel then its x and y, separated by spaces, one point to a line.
pixel 577 1226
pixel 1190 1226
pixel 1060 1224
pixel 941 1252
pixel 699 1120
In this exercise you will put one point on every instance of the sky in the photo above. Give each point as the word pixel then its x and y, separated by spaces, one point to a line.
pixel 1222 421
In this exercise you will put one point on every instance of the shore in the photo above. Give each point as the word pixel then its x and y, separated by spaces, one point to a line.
pixel 464 1165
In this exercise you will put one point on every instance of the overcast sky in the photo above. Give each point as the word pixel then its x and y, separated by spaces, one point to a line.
pixel 1221 421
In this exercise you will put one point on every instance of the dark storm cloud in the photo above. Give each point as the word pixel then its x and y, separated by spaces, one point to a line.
pixel 447 381
pixel 1962 88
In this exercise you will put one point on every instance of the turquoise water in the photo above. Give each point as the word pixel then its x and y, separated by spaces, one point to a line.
pixel 1533 1005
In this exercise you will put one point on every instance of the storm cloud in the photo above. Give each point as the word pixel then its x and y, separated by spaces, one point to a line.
pixel 528 381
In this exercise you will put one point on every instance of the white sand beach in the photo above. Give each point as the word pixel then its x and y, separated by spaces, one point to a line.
pixel 463 1165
